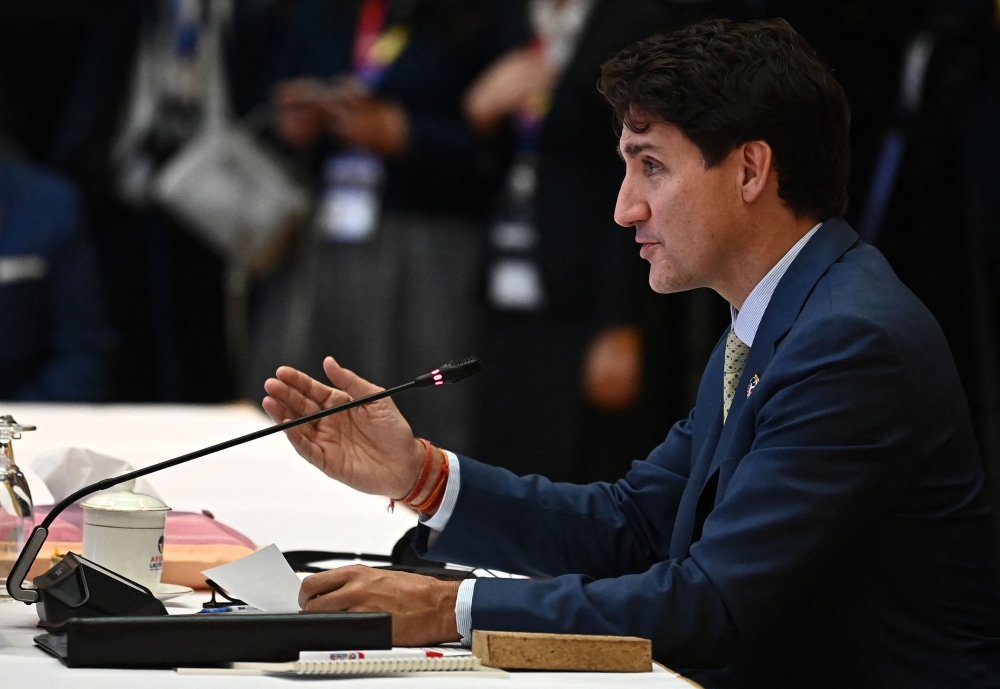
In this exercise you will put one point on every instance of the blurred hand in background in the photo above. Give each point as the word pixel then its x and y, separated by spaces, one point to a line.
pixel 298 112
pixel 306 107
pixel 358 119
pixel 509 84
pixel 612 370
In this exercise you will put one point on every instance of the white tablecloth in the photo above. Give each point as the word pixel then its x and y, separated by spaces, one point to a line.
pixel 262 489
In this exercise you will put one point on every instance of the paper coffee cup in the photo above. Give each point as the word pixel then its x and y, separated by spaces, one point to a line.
pixel 123 531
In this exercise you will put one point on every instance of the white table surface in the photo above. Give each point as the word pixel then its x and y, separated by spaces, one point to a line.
pixel 264 490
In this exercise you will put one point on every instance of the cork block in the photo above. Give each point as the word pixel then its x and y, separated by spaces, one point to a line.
pixel 576 652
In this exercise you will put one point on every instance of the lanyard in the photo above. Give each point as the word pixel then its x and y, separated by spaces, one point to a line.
pixel 531 116
pixel 377 47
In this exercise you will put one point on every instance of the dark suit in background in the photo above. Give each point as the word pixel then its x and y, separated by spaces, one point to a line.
pixel 54 335
pixel 833 533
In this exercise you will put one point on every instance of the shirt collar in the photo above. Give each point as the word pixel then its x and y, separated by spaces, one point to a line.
pixel 747 320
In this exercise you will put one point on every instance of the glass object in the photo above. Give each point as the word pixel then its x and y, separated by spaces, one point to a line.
pixel 16 508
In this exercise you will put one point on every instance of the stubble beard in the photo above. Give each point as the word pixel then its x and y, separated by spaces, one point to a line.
pixel 669 280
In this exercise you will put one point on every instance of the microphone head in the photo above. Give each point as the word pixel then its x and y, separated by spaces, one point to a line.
pixel 452 372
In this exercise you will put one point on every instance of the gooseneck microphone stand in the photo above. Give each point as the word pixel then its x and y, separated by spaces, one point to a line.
pixel 452 372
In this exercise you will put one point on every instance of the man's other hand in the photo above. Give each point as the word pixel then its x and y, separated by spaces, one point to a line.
pixel 423 608
pixel 369 448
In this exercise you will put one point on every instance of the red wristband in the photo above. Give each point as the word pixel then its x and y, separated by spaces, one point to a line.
pixel 425 472
pixel 433 501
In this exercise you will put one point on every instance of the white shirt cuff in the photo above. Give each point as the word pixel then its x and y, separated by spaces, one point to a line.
pixel 463 605
pixel 463 610
pixel 441 517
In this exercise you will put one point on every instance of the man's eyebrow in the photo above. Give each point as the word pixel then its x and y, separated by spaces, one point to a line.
pixel 633 149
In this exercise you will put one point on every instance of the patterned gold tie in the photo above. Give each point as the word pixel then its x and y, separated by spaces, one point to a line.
pixel 736 358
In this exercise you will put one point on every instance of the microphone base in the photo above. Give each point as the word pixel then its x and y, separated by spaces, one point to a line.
pixel 77 587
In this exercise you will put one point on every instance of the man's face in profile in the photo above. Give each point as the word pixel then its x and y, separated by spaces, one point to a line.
pixel 683 213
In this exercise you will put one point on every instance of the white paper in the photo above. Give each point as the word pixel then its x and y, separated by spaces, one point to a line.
pixel 262 579
pixel 68 469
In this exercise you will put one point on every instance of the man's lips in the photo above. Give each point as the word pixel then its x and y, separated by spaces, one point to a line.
pixel 646 247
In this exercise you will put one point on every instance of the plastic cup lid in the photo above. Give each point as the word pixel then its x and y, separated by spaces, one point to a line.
pixel 124 501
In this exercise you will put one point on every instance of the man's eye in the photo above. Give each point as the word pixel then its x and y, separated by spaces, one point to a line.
pixel 651 167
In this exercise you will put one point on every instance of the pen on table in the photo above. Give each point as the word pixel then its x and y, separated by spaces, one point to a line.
pixel 394 654
pixel 231 608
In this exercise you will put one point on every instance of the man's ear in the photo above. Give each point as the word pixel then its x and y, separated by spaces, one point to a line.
pixel 756 160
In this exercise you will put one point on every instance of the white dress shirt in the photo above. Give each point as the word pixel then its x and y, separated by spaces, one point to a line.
pixel 745 323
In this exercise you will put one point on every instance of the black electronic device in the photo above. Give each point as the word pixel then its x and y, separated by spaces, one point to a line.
pixel 404 558
pixel 208 639
pixel 53 589
pixel 77 587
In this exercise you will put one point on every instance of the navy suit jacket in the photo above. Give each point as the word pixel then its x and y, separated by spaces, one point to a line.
pixel 833 533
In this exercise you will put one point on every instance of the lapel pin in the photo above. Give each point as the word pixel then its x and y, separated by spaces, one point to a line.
pixel 753 384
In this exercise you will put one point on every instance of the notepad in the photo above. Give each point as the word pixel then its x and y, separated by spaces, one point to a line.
pixel 398 660
pixel 381 662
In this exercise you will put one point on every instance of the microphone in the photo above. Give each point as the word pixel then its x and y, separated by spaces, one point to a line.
pixel 451 372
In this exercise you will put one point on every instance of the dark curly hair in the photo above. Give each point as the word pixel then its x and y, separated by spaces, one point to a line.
pixel 724 83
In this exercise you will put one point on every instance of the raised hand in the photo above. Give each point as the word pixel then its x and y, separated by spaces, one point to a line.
pixel 370 448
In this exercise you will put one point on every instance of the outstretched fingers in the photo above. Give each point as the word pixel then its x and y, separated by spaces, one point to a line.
pixel 305 385
pixel 279 413
pixel 300 394
pixel 348 381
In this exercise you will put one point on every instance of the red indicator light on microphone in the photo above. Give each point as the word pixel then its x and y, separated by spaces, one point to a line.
pixel 452 372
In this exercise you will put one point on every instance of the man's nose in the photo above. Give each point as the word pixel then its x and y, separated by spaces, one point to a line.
pixel 631 208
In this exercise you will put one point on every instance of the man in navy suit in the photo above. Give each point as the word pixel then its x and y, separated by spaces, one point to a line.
pixel 819 520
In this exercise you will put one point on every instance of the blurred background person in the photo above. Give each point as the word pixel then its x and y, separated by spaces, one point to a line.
pixel 369 93
pixel 55 338
pixel 164 286
pixel 922 79
pixel 569 316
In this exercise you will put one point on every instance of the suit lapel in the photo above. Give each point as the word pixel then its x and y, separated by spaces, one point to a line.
pixel 708 427
pixel 826 246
